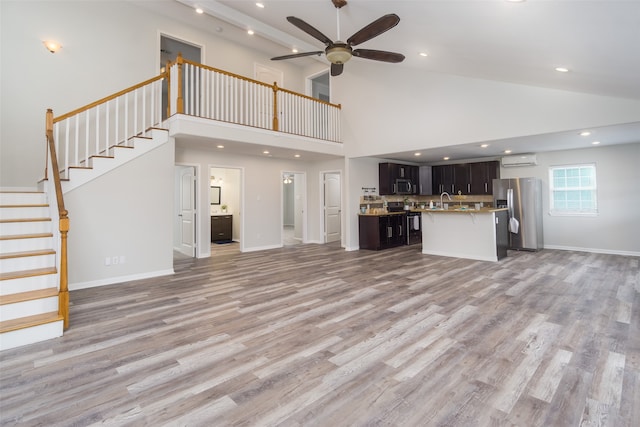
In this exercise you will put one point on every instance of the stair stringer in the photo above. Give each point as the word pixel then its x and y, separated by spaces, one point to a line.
pixel 77 177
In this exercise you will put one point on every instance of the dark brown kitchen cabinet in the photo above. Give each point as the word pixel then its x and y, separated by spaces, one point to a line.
pixel 442 179
pixel 481 176
pixel 466 178
pixel 221 228
pixel 395 178
pixel 382 231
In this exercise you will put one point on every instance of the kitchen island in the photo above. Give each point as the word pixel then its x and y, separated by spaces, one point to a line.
pixel 465 233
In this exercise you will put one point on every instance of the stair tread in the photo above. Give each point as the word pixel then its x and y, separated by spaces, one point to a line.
pixel 11 220
pixel 27 273
pixel 25 236
pixel 28 295
pixel 29 321
pixel 25 254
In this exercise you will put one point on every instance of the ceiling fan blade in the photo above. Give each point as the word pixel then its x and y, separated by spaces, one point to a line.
pixel 297 55
pixel 374 29
pixel 336 69
pixel 378 55
pixel 309 30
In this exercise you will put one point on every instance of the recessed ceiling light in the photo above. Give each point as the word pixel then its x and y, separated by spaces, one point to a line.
pixel 585 133
pixel 562 69
pixel 294 50
pixel 260 5
pixel 220 146
pixel 199 11
pixel 484 145
pixel 296 155
pixel 250 32
pixel 445 158
pixel 507 151
pixel 265 152
pixel 417 154
pixel 424 54
pixel 596 142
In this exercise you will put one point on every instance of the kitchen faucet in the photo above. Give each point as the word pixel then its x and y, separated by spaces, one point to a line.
pixel 441 205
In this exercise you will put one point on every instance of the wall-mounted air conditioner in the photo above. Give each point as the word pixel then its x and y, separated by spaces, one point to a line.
pixel 519 160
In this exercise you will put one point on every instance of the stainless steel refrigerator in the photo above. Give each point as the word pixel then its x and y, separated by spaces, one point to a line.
pixel 523 198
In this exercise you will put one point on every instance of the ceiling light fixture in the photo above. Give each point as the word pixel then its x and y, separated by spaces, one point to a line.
pixel 294 50
pixel 339 53
pixel 595 142
pixel 424 54
pixel 445 158
pixel 260 5
pixel 265 152
pixel 417 154
pixel 507 151
pixel 52 46
pixel 199 11
pixel 585 133
pixel 220 146
pixel 296 156
pixel 484 145
pixel 562 69
pixel 250 32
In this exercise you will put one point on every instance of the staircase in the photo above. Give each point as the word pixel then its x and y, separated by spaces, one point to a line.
pixel 28 275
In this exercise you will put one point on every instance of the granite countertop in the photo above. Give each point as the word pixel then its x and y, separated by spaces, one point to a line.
pixel 451 210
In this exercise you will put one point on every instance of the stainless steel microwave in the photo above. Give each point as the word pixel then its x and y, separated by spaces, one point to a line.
pixel 403 186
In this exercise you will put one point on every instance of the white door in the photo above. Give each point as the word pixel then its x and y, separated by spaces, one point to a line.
pixel 332 207
pixel 187 212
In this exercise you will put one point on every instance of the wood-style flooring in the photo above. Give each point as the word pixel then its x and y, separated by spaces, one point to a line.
pixel 311 335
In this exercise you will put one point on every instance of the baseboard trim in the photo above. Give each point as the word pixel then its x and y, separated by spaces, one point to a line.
pixel 593 250
pixel 119 279
pixel 261 248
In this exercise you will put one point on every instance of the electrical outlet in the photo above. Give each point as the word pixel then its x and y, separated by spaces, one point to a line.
pixel 115 260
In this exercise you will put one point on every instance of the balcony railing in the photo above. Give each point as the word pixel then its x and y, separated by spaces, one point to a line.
pixel 196 90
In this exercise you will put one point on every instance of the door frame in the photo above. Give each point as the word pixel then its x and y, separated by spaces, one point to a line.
pixel 322 204
pixel 309 83
pixel 197 221
pixel 240 216
pixel 303 186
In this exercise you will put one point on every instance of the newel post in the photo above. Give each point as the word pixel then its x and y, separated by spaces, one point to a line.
pixel 180 100
pixel 275 106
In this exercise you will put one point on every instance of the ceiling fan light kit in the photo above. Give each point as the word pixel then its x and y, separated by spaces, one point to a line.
pixel 338 53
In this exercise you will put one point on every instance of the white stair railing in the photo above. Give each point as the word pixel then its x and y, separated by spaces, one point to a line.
pixel 95 129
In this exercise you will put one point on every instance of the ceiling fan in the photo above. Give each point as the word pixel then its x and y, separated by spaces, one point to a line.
pixel 339 52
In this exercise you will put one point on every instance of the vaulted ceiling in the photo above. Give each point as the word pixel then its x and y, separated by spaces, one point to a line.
pixel 518 42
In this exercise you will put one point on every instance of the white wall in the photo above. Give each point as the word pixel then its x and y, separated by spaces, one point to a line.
pixel 125 212
pixel 107 46
pixel 616 228
pixel 387 109
pixel 261 205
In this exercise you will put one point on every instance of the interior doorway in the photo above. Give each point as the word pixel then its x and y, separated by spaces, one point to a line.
pixel 170 47
pixel 225 208
pixel 293 208
pixel 319 86
pixel 184 225
pixel 332 206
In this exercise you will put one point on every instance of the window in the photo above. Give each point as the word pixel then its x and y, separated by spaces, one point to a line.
pixel 573 190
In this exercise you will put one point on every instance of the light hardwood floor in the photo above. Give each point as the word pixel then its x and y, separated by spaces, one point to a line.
pixel 311 335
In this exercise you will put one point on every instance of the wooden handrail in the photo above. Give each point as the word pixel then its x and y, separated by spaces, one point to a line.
pixel 274 86
pixel 108 98
pixel 63 295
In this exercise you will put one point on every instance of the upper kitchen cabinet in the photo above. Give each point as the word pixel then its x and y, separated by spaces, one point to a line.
pixel 397 178
pixel 466 178
pixel 481 176
pixel 425 181
pixel 442 179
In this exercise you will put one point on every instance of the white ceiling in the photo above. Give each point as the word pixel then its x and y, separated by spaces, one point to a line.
pixel 598 41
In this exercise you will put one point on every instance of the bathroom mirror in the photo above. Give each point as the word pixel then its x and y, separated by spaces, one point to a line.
pixel 215 195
